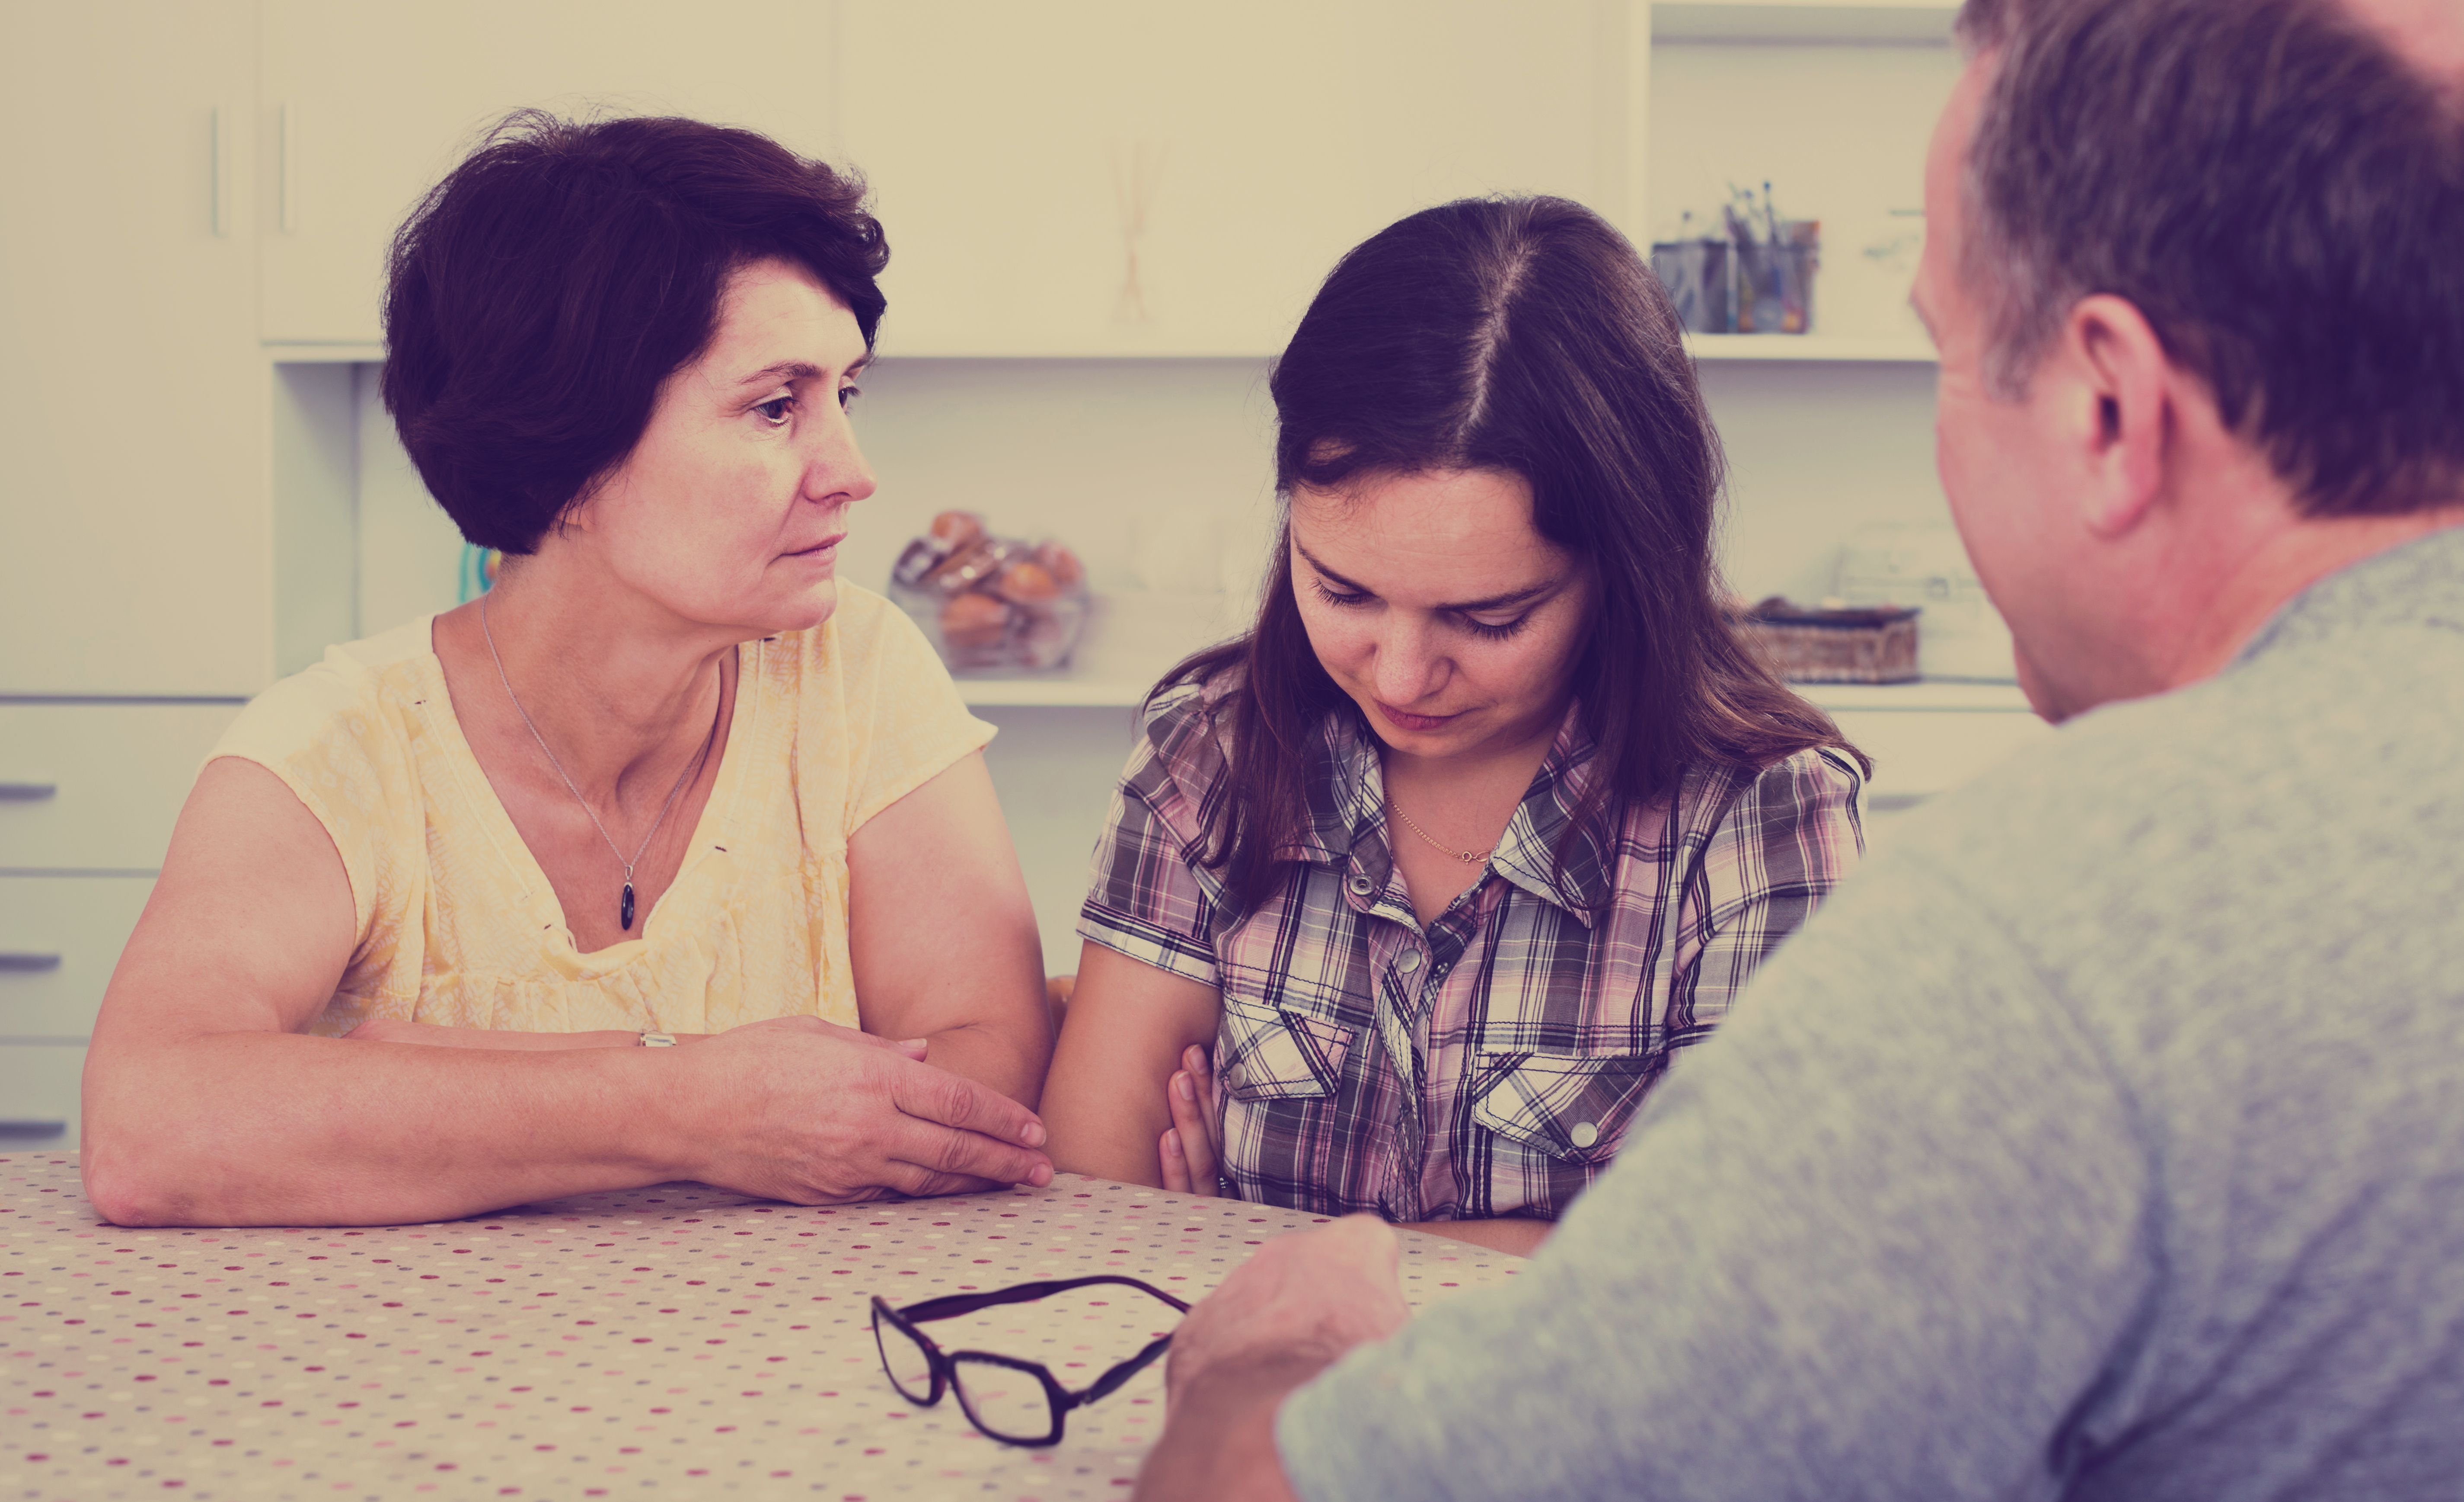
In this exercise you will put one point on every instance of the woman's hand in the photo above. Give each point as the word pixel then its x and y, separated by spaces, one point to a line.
pixel 801 1110
pixel 1190 1163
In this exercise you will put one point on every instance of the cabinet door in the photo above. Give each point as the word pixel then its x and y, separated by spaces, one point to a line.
pixel 38 1097
pixel 1115 177
pixel 367 105
pixel 134 546
pixel 97 788
pixel 60 938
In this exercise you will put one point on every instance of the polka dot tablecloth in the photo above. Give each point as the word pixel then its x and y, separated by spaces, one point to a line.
pixel 679 1340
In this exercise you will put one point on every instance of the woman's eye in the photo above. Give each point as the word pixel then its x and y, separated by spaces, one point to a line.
pixel 777 411
pixel 1336 597
pixel 848 395
pixel 1496 632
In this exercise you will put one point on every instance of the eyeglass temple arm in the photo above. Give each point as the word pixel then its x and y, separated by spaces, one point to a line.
pixel 1112 1380
pixel 952 1305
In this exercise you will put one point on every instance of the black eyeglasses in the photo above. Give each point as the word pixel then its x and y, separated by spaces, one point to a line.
pixel 1015 1402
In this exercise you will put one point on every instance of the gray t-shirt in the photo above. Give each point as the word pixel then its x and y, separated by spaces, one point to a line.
pixel 2104 1139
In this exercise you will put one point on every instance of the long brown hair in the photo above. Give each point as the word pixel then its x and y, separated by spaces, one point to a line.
pixel 1521 335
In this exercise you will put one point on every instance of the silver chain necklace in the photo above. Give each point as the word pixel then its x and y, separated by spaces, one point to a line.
pixel 625 906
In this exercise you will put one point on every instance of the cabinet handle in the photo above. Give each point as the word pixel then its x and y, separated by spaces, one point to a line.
pixel 31 1131
pixel 22 963
pixel 27 792
pixel 290 168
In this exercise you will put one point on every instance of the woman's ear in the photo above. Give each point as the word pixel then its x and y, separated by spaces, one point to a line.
pixel 2123 411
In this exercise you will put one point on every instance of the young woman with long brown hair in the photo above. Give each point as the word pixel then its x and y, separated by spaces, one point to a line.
pixel 1490 812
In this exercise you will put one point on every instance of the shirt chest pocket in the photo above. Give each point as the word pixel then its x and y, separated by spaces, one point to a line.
pixel 1289 1047
pixel 1574 1108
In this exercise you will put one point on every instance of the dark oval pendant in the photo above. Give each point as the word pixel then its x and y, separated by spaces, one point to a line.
pixel 625 910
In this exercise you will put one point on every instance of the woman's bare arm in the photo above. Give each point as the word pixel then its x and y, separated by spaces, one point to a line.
pixel 1128 1023
pixel 204 1104
pixel 943 936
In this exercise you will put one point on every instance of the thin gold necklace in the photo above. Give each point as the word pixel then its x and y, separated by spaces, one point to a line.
pixel 1471 858
pixel 625 905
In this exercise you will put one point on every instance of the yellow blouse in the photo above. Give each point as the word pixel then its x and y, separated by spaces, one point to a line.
pixel 458 925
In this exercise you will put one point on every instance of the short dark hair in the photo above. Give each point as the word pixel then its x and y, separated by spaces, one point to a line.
pixel 2269 184
pixel 1521 335
pixel 539 294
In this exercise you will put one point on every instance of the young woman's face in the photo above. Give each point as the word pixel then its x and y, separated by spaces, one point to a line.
pixel 1433 600
pixel 730 509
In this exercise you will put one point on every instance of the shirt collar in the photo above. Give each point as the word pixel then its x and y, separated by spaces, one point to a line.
pixel 1346 822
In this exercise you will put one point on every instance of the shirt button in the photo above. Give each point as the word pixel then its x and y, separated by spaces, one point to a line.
pixel 1584 1134
pixel 1361 886
pixel 1409 961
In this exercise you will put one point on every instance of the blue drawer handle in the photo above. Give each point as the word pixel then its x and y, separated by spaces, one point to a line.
pixel 26 963
pixel 31 1131
pixel 27 792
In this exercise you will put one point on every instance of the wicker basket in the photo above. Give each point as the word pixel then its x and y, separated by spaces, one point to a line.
pixel 1862 644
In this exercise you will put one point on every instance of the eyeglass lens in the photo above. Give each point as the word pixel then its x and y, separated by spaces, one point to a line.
pixel 1004 1402
pixel 909 1364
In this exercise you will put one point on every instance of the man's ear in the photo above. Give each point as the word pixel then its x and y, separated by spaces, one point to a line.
pixel 2126 390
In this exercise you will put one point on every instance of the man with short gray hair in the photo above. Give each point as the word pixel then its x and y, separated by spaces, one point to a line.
pixel 2102 1139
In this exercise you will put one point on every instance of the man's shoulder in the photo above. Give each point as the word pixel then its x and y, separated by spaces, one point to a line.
pixel 2243 838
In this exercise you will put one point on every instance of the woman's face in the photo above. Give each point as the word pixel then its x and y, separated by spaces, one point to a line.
pixel 730 509
pixel 1433 600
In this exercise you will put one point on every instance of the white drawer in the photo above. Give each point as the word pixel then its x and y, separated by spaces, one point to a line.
pixel 115 773
pixel 59 939
pixel 38 1097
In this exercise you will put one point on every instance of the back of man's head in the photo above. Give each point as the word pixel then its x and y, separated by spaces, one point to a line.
pixel 2273 184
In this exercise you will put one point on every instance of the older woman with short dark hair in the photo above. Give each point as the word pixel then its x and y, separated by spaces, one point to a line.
pixel 441 909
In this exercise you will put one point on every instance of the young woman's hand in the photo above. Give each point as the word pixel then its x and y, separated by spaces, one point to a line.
pixel 1190 1165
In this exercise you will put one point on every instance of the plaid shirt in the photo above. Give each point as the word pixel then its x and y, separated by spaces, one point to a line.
pixel 1489 1065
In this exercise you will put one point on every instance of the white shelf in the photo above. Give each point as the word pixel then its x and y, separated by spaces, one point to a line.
pixel 1132 640
pixel 323 352
pixel 1703 347
pixel 1929 696
pixel 1809 347
pixel 1901 22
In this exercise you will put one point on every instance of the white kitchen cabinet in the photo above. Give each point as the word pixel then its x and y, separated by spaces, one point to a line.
pixel 88 795
pixel 1110 177
pixel 96 787
pixel 134 530
pixel 366 105
pixel 60 937
pixel 39 1096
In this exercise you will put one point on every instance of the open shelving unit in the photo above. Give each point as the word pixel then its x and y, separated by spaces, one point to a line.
pixel 1809 347
pixel 1898 22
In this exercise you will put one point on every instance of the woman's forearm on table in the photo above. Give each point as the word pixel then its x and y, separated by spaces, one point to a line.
pixel 258 1128
pixel 387 1030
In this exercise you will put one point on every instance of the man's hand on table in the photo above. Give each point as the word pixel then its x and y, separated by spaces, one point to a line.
pixel 1282 1318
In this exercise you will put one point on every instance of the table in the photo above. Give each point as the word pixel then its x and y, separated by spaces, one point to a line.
pixel 677 1339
